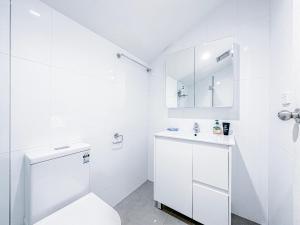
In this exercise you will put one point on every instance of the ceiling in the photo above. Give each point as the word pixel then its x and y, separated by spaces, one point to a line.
pixel 144 28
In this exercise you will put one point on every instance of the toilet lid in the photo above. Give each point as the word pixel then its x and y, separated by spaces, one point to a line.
pixel 88 210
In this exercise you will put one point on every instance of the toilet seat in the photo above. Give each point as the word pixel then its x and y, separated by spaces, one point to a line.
pixel 88 210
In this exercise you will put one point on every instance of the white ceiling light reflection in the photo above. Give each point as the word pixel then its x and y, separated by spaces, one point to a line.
pixel 246 48
pixel 113 76
pixel 34 13
pixel 206 56
pixel 57 121
pixel 116 88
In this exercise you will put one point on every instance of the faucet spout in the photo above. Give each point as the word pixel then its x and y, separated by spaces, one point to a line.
pixel 196 128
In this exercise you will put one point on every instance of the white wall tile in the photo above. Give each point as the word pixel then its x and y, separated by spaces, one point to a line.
pixel 253 39
pixel 75 47
pixel 31 30
pixel 4 100
pixel 4 26
pixel 4 188
pixel 30 104
pixel 69 44
pixel 225 19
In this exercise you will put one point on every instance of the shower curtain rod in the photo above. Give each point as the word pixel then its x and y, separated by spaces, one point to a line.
pixel 119 55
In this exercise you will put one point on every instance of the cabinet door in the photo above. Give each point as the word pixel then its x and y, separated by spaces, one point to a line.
pixel 211 165
pixel 173 174
pixel 210 207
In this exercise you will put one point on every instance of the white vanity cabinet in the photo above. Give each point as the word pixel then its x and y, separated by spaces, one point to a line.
pixel 173 178
pixel 193 175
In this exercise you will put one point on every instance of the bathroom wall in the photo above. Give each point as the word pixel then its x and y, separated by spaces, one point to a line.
pixel 68 86
pixel 284 148
pixel 4 111
pixel 247 21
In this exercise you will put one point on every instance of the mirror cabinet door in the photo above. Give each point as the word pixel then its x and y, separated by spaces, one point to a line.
pixel 214 75
pixel 203 93
pixel 202 77
pixel 180 79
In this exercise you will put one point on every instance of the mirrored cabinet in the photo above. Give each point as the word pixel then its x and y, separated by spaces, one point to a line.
pixel 180 79
pixel 202 76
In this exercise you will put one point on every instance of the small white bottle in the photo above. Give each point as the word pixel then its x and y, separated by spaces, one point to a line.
pixel 217 128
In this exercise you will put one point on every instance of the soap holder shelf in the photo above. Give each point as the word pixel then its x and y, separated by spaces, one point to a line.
pixel 118 138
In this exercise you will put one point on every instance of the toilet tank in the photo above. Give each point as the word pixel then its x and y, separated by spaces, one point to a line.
pixel 54 179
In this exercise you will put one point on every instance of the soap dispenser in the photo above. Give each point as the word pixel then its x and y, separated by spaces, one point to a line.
pixel 217 128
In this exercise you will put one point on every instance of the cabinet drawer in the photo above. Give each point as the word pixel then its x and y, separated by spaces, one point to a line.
pixel 211 165
pixel 210 207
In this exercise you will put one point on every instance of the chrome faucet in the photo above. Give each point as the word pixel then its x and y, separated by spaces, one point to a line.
pixel 196 129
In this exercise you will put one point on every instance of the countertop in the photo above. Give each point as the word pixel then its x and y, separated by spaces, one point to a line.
pixel 201 137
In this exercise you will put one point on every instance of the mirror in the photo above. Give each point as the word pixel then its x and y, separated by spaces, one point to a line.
pixel 180 79
pixel 214 76
pixel 202 77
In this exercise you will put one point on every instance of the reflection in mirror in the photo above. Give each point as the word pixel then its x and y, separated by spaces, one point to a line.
pixel 214 75
pixel 180 79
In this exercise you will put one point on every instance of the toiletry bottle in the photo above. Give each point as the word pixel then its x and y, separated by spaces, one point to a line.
pixel 217 128
pixel 226 128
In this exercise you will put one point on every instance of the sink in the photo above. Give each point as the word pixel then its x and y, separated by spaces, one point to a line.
pixel 200 137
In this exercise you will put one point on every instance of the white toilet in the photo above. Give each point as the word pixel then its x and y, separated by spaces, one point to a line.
pixel 58 191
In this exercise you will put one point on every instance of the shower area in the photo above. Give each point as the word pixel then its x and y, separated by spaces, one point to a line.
pixel 51 69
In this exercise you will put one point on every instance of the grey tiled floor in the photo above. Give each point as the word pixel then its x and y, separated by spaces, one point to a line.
pixel 138 209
